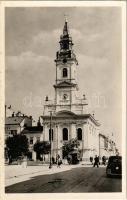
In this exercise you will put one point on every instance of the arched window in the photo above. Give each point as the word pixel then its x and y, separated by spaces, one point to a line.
pixel 50 134
pixel 65 134
pixel 64 72
pixel 79 134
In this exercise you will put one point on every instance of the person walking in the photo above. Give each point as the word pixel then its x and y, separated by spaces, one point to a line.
pixel 24 161
pixel 104 160
pixel 59 162
pixel 53 160
pixel 96 161
pixel 69 159
pixel 57 157
pixel 91 160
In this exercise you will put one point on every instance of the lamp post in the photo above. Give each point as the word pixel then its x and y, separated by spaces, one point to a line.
pixel 57 138
pixel 50 165
pixel 99 145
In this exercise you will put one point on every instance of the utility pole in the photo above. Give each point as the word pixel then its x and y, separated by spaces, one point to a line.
pixel 99 145
pixel 50 165
pixel 57 137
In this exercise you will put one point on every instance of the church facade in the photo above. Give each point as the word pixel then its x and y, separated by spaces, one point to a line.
pixel 67 115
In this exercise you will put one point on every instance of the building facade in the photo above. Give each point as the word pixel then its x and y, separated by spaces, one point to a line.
pixel 18 123
pixel 107 147
pixel 15 124
pixel 67 115
pixel 34 135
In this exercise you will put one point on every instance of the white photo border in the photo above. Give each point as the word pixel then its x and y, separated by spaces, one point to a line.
pixel 3 5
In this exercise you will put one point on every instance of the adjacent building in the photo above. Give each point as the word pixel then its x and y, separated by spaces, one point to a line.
pixel 18 123
pixel 107 147
pixel 15 124
pixel 34 134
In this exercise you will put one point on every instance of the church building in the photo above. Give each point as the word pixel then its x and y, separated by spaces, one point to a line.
pixel 67 115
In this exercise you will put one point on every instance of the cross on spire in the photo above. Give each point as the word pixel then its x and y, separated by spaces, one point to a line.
pixel 65 15
pixel 65 30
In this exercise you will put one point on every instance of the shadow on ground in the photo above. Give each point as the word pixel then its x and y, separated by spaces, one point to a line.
pixel 82 179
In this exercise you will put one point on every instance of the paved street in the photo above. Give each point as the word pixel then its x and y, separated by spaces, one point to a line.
pixel 72 179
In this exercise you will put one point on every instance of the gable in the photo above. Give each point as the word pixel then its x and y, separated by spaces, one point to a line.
pixel 65 113
pixel 13 120
pixel 65 84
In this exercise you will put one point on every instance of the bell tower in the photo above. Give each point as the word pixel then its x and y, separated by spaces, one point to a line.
pixel 66 86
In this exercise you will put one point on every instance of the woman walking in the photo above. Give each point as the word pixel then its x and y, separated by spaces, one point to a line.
pixel 59 162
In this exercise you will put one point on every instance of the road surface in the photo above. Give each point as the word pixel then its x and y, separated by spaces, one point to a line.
pixel 81 179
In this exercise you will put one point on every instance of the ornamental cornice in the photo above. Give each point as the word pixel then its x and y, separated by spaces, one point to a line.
pixel 66 121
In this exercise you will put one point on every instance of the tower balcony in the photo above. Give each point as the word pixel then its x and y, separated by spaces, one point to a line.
pixel 81 102
pixel 49 102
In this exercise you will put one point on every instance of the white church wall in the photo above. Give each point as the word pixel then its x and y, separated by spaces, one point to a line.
pixel 46 133
pixel 74 73
pixel 73 131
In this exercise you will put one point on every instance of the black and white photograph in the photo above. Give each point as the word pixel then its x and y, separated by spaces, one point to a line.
pixel 64 109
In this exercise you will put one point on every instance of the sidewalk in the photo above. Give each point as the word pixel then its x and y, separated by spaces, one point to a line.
pixel 16 173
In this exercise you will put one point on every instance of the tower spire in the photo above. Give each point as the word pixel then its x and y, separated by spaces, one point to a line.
pixel 66 51
pixel 65 29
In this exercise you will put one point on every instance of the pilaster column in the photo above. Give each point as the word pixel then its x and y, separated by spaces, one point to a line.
pixel 55 140
pixel 85 142
pixel 43 132
pixel 73 131
pixel 46 133
pixel 59 136
pixel 34 155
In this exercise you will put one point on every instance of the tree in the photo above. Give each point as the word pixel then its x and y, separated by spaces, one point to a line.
pixel 42 148
pixel 70 146
pixel 17 145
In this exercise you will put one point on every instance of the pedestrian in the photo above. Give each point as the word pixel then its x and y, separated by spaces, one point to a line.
pixel 59 162
pixel 69 159
pixel 103 160
pixel 53 160
pixel 57 157
pixel 24 161
pixel 91 160
pixel 65 160
pixel 96 161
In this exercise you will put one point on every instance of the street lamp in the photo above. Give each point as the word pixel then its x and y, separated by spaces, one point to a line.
pixel 99 145
pixel 50 165
pixel 57 138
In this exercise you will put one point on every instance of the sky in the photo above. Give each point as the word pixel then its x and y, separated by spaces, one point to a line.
pixel 31 41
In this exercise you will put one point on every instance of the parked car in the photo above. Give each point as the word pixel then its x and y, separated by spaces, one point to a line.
pixel 114 166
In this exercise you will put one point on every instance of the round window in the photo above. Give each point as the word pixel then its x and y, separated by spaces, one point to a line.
pixel 65 96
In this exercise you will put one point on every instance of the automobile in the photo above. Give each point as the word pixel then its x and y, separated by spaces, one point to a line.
pixel 114 166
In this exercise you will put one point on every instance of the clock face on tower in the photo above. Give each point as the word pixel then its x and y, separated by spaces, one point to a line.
pixel 65 96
